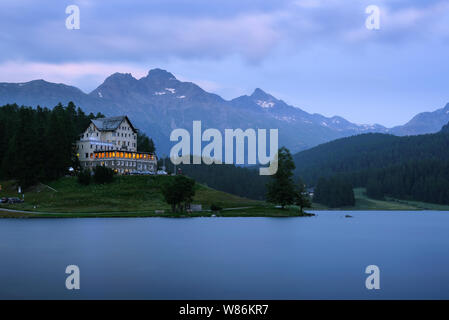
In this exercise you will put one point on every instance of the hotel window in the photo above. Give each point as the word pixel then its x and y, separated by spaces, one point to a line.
pixel 87 155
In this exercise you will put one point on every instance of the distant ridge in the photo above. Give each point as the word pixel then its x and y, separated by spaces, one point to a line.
pixel 158 103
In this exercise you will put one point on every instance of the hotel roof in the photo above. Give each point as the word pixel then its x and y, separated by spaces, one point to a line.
pixel 111 123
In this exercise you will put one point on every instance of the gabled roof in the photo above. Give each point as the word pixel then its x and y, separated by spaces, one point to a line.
pixel 111 123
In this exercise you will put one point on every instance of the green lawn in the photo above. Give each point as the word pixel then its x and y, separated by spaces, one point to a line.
pixel 137 194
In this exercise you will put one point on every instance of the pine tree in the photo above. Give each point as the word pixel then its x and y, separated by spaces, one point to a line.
pixel 281 189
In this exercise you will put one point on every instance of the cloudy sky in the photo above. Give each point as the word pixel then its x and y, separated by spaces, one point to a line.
pixel 314 54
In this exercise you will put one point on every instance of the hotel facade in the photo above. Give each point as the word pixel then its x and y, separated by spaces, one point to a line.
pixel 112 142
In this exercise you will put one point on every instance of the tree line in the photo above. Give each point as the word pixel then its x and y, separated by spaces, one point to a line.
pixel 408 168
pixel 334 192
pixel 426 181
pixel 242 181
pixel 38 144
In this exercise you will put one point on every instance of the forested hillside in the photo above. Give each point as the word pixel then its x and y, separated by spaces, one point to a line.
pixel 413 167
pixel 36 144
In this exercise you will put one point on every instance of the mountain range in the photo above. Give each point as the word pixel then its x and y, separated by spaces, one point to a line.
pixel 159 103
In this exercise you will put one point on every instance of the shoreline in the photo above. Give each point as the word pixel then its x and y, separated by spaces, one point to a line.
pixel 226 213
pixel 230 212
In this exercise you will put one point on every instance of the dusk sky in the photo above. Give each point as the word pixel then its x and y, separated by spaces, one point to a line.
pixel 314 54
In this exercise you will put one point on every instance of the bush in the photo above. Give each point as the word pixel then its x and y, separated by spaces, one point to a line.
pixel 214 207
pixel 103 175
pixel 84 177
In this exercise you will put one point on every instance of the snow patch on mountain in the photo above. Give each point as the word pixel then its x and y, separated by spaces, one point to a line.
pixel 366 126
pixel 265 104
pixel 171 90
pixel 285 118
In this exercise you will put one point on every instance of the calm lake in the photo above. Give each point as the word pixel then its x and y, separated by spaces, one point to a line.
pixel 322 257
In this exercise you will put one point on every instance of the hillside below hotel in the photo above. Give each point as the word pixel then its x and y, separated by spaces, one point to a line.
pixel 112 142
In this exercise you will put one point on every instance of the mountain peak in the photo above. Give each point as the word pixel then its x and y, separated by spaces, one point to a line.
pixel 263 99
pixel 259 93
pixel 120 77
pixel 160 74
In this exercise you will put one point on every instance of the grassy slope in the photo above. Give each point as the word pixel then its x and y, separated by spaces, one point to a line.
pixel 141 196
pixel 127 193
pixel 365 203
pixel 128 196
